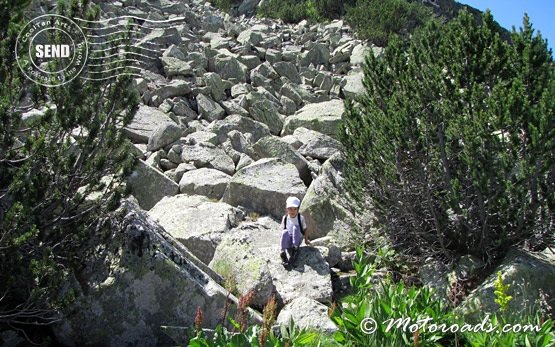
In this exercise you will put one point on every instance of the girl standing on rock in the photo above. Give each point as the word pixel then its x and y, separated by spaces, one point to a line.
pixel 294 226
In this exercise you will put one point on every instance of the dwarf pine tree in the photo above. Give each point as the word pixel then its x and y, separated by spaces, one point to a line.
pixel 59 176
pixel 453 139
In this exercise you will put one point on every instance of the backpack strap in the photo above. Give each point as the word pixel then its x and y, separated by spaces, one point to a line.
pixel 300 223
pixel 284 222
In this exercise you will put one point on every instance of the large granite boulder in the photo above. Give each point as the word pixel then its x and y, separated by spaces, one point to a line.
pixel 124 298
pixel 316 145
pixel 207 182
pixel 163 135
pixel 250 36
pixel 528 274
pixel 237 256
pixel 274 147
pixel 207 155
pixel 266 112
pixel 353 85
pixel 309 277
pixel 264 186
pixel 230 69
pixel 324 207
pixel 145 121
pixel 359 53
pixel 150 185
pixel 160 36
pixel 288 70
pixel 252 129
pixel 177 67
pixel 323 117
pixel 307 313
pixel 318 54
pixel 209 109
pixel 196 221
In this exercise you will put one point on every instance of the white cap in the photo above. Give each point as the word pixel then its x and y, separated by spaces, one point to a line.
pixel 293 202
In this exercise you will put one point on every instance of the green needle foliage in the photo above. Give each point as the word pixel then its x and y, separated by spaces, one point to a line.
pixel 379 20
pixel 454 139
pixel 50 220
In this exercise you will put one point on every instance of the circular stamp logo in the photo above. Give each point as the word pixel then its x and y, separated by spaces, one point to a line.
pixel 51 50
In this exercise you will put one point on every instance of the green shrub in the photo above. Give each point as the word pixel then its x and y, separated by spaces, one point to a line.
pixel 411 316
pixel 225 5
pixel 290 11
pixel 49 221
pixel 454 140
pixel 378 20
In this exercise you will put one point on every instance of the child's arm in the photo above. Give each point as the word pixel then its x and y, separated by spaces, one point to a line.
pixel 306 241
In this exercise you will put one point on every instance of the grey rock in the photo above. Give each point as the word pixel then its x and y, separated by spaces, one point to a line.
pixel 233 107
pixel 252 129
pixel 166 106
pixel 215 85
pixel 323 207
pixel 274 147
pixel 359 54
pixel 288 106
pixel 307 313
pixel 292 141
pixel 161 36
pixel 202 137
pixel 251 37
pixel 209 109
pixel 182 109
pixel 265 70
pixel 124 298
pixel 197 60
pixel 353 85
pixel 150 185
pixel 196 222
pixel 288 70
pixel 527 273
pixel 163 135
pixel 265 112
pixel 244 161
pixel 318 54
pixel 144 122
pixel 207 182
pixel 250 61
pixel 309 277
pixel 240 89
pixel 323 117
pixel 218 42
pixel 206 155
pixel 212 23
pixel 316 145
pixel 264 185
pixel 176 67
pixel 237 256
pixel 230 68
pixel 174 52
pixel 182 169
pixel 273 56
